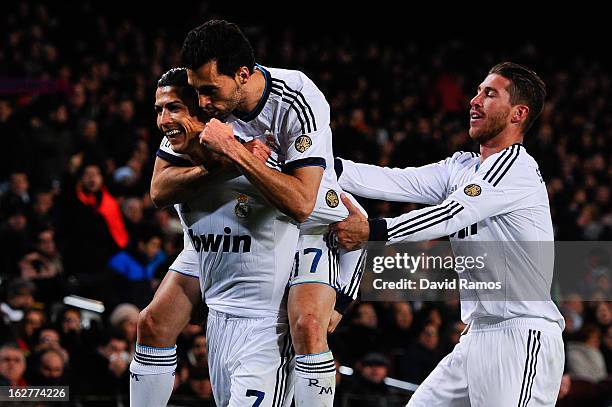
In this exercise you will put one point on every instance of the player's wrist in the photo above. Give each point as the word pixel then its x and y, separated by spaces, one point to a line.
pixel 378 230
pixel 343 302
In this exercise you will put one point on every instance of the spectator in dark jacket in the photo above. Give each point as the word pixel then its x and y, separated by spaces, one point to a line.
pixel 91 227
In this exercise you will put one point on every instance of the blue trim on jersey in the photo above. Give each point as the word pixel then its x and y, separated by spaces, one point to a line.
pixel 311 354
pixel 304 162
pixel 172 159
pixel 151 347
pixel 185 274
pixel 247 117
pixel 313 282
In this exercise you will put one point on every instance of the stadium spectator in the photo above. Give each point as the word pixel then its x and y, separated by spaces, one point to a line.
pixel 585 359
pixel 14 239
pixel 197 388
pixel 400 334
pixel 12 365
pixel 17 195
pixel 32 321
pixel 124 320
pixel 422 357
pixel 133 269
pixel 50 369
pixel 48 338
pixel 367 387
pixel 19 298
pixel 91 228
pixel 362 336
pixel 197 355
pixel 105 372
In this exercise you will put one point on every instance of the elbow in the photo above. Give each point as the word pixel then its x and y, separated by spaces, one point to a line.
pixel 158 199
pixel 303 211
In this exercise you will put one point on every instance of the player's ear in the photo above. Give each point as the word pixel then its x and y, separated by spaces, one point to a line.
pixel 243 74
pixel 520 114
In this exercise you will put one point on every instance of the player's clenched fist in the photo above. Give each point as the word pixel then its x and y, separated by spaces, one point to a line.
pixel 218 137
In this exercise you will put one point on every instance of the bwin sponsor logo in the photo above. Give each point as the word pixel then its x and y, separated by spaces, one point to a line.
pixel 225 243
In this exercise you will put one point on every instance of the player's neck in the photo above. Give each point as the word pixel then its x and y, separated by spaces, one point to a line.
pixel 196 153
pixel 253 91
pixel 498 143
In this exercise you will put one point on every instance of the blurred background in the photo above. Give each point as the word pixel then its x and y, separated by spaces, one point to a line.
pixel 77 85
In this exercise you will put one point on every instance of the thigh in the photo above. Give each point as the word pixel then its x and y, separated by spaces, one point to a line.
pixel 446 385
pixel 515 367
pixel 263 372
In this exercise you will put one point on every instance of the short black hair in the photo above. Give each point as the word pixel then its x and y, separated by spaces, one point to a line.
pixel 525 87
pixel 220 41
pixel 177 78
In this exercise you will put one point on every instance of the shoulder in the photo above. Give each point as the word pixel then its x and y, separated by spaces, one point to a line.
pixel 463 157
pixel 288 78
pixel 460 159
pixel 512 167
pixel 295 85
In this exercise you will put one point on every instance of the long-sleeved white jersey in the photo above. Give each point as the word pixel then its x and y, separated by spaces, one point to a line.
pixel 502 199
pixel 295 112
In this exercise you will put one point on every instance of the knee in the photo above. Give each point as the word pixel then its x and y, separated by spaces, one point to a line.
pixel 150 327
pixel 308 328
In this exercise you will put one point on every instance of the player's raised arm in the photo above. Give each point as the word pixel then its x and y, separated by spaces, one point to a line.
pixel 426 185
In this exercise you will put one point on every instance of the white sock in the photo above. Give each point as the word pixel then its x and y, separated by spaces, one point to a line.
pixel 315 380
pixel 152 376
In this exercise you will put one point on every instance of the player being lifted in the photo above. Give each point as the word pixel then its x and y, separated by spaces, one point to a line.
pixel 241 248
pixel 277 108
pixel 513 352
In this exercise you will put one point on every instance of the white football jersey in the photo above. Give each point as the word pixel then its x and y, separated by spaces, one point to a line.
pixel 245 246
pixel 294 111
pixel 503 199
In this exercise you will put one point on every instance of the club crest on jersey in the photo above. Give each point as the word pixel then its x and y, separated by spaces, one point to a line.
pixel 242 208
pixel 331 198
pixel 472 190
pixel 303 143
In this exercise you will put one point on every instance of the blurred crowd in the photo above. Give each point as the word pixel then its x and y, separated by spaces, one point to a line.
pixel 79 138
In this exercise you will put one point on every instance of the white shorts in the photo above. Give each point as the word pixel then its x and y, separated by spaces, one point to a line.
pixel 316 261
pixel 319 260
pixel 517 362
pixel 251 360
pixel 187 263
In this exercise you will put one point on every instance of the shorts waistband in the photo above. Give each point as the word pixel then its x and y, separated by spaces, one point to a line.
pixel 224 315
pixel 540 324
